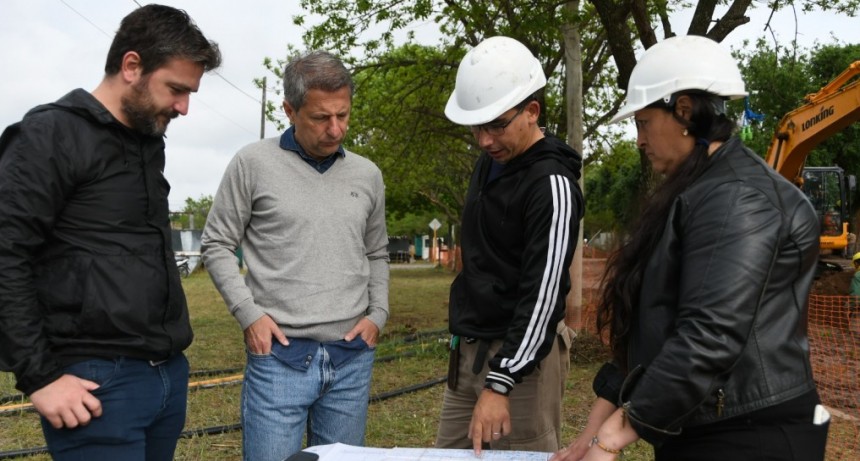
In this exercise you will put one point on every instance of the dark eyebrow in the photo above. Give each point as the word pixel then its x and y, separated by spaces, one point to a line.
pixel 181 87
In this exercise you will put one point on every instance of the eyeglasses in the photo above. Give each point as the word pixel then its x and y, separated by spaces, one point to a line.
pixel 495 128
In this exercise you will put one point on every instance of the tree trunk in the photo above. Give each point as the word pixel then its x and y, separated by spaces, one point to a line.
pixel 573 93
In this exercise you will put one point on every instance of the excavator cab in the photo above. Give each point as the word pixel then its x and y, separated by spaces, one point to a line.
pixel 830 190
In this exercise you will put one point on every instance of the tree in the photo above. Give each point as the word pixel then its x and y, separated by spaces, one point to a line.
pixel 797 73
pixel 616 16
pixel 628 26
pixel 400 124
pixel 193 216
pixel 426 160
pixel 402 89
pixel 413 224
pixel 613 184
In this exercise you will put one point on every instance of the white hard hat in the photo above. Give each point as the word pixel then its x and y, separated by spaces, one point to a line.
pixel 493 77
pixel 675 64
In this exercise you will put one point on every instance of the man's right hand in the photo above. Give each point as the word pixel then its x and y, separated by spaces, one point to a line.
pixel 67 402
pixel 258 335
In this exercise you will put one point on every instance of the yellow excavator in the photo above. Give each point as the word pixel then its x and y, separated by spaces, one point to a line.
pixel 831 109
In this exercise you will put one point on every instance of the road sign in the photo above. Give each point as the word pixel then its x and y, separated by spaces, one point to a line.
pixel 435 224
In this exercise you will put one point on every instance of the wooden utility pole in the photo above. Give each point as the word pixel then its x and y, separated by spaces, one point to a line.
pixel 573 93
pixel 263 112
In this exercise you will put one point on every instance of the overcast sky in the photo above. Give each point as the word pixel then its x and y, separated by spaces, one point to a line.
pixel 52 46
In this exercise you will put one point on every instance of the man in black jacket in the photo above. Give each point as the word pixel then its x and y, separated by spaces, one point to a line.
pixel 509 356
pixel 93 320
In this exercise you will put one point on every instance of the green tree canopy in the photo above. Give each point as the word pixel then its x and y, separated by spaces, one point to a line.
pixel 193 216
pixel 402 86
pixel 614 185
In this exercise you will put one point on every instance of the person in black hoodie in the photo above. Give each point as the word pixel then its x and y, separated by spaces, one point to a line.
pixel 93 320
pixel 510 346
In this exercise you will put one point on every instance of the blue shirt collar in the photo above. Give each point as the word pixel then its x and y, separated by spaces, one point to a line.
pixel 288 142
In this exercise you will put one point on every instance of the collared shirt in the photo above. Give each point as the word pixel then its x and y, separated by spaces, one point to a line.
pixel 288 142
pixel 301 351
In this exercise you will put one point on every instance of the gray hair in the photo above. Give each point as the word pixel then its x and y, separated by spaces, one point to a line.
pixel 316 70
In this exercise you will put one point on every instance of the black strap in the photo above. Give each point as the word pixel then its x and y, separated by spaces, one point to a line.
pixel 480 356
pixel 453 364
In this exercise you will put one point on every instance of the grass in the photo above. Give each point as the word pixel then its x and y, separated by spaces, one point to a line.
pixel 419 299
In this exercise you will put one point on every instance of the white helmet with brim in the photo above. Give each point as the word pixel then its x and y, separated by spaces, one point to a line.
pixel 492 78
pixel 680 64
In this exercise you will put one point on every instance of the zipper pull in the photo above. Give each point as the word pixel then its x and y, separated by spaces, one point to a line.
pixel 624 409
pixel 721 402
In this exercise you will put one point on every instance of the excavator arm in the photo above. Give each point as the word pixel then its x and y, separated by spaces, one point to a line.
pixel 825 113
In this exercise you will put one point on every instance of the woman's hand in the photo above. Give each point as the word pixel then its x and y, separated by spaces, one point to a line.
pixel 575 451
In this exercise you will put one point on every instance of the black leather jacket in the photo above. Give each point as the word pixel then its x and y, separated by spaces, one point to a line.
pixel 721 326
pixel 86 261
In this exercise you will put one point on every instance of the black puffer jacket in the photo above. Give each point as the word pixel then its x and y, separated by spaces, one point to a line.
pixel 518 236
pixel 720 330
pixel 86 263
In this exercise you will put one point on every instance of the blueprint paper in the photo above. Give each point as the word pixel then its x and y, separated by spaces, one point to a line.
pixel 436 454
pixel 339 452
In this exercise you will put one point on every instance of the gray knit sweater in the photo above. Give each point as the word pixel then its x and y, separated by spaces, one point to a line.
pixel 315 245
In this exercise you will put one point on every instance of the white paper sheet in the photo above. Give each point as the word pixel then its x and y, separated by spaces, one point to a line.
pixel 339 451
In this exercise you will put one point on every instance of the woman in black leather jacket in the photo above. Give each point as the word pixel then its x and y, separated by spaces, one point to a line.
pixel 705 305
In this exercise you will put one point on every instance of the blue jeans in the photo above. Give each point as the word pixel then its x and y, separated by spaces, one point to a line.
pixel 280 402
pixel 143 412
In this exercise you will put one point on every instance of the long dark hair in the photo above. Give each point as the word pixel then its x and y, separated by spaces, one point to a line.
pixel 625 267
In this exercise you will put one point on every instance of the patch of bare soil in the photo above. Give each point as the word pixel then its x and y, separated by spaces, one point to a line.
pixel 833 283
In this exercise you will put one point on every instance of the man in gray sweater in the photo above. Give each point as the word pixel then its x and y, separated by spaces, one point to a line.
pixel 310 218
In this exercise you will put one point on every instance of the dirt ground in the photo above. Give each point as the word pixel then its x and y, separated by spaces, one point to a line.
pixel 833 283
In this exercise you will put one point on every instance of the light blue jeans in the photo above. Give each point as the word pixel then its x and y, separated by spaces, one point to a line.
pixel 279 402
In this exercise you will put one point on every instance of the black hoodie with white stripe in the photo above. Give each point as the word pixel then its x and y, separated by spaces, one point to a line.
pixel 518 236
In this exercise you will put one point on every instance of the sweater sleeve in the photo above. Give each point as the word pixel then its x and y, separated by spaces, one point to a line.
pixel 376 242
pixel 553 210
pixel 35 180
pixel 225 228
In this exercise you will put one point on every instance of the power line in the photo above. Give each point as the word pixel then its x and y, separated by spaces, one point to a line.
pixel 201 101
pixel 198 99
pixel 234 86
pixel 85 18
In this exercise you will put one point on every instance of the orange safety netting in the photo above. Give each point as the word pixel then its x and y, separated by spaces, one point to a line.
pixel 834 343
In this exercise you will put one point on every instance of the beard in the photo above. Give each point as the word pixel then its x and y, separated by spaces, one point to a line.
pixel 142 113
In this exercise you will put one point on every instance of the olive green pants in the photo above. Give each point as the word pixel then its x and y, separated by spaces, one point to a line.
pixel 535 403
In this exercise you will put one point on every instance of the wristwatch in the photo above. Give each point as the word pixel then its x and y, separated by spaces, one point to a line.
pixel 497 388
